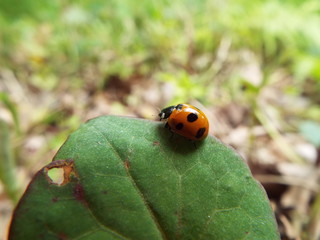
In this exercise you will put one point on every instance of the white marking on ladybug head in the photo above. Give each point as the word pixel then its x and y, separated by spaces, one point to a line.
pixel 162 115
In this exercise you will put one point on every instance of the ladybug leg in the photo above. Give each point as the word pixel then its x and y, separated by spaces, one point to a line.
pixel 169 128
pixel 194 144
pixel 172 134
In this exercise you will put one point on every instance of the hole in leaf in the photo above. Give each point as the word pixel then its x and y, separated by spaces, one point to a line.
pixel 56 175
pixel 59 172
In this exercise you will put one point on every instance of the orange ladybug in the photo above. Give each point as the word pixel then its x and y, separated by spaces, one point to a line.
pixel 186 120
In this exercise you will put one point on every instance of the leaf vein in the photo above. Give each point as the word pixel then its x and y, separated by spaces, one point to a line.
pixel 100 224
pixel 135 185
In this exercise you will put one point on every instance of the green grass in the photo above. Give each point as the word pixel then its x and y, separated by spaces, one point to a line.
pixel 58 39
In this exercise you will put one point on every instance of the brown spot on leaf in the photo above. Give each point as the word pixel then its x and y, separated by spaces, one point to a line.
pixel 156 143
pixel 55 199
pixel 62 236
pixel 78 193
pixel 127 164
pixel 67 165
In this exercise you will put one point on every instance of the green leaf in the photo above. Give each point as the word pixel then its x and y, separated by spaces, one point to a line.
pixel 127 178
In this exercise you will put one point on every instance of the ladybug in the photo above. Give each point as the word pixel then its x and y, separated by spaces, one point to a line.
pixel 186 120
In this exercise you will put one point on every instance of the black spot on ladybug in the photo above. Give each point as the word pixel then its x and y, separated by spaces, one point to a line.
pixel 179 106
pixel 200 132
pixel 192 117
pixel 179 126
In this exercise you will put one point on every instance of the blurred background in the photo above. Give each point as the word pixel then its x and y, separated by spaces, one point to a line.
pixel 252 66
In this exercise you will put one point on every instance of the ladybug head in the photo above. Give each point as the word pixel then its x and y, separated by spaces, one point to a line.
pixel 166 112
